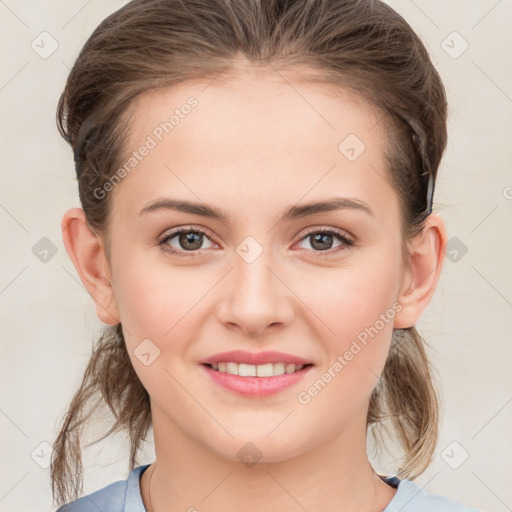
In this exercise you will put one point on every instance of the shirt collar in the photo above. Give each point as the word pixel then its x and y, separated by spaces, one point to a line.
pixel 133 498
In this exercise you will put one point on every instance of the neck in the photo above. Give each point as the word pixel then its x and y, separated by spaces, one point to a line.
pixel 336 475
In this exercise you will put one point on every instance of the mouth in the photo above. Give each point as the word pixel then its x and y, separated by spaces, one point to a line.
pixel 260 370
pixel 255 381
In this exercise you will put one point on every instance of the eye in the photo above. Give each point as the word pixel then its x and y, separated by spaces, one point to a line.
pixel 189 239
pixel 322 240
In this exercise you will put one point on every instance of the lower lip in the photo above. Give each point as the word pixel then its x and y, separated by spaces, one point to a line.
pixel 256 386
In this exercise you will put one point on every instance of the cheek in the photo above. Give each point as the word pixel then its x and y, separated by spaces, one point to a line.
pixel 159 320
pixel 349 299
pixel 153 298
pixel 162 311
pixel 354 310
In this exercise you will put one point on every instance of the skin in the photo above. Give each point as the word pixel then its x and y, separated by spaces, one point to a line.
pixel 254 146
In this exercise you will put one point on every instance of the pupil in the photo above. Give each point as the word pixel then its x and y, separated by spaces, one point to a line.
pixel 320 237
pixel 187 238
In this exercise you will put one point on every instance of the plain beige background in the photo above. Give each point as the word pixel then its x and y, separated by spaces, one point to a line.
pixel 48 319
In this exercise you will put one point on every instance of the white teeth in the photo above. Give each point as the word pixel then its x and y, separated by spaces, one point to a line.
pixel 232 368
pixel 265 370
pixel 278 368
pixel 260 370
pixel 290 368
pixel 245 370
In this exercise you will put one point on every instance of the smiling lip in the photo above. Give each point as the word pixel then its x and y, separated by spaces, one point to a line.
pixel 241 356
pixel 255 386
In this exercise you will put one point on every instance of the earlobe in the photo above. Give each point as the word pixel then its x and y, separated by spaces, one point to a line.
pixel 421 277
pixel 86 251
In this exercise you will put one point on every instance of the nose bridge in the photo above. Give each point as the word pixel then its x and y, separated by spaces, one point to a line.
pixel 252 270
pixel 257 298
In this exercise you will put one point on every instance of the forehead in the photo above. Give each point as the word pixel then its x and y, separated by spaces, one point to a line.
pixel 252 136
pixel 267 104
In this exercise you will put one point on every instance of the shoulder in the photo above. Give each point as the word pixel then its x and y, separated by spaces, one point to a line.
pixel 109 498
pixel 120 496
pixel 412 498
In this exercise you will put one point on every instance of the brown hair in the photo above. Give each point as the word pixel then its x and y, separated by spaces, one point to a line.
pixel 361 46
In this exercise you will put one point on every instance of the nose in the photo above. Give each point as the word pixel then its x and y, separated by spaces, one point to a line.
pixel 256 296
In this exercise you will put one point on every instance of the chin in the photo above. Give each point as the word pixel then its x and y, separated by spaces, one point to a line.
pixel 257 447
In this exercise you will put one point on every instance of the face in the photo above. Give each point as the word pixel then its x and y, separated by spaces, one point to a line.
pixel 257 280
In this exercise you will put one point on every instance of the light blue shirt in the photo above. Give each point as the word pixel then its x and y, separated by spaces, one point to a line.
pixel 124 496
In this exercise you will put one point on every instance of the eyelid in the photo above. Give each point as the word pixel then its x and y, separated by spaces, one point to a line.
pixel 179 229
pixel 326 229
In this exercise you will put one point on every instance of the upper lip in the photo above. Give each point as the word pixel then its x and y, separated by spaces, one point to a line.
pixel 256 358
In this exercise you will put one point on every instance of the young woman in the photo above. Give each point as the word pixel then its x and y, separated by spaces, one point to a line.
pixel 256 180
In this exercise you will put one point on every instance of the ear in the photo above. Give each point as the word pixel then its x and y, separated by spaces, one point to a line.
pixel 422 274
pixel 86 251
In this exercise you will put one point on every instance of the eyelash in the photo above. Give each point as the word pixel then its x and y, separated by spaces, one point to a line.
pixel 346 242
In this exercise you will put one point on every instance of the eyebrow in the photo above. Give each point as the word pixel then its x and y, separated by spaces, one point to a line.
pixel 292 213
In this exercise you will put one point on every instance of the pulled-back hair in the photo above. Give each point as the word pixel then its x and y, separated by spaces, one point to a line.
pixel 360 46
